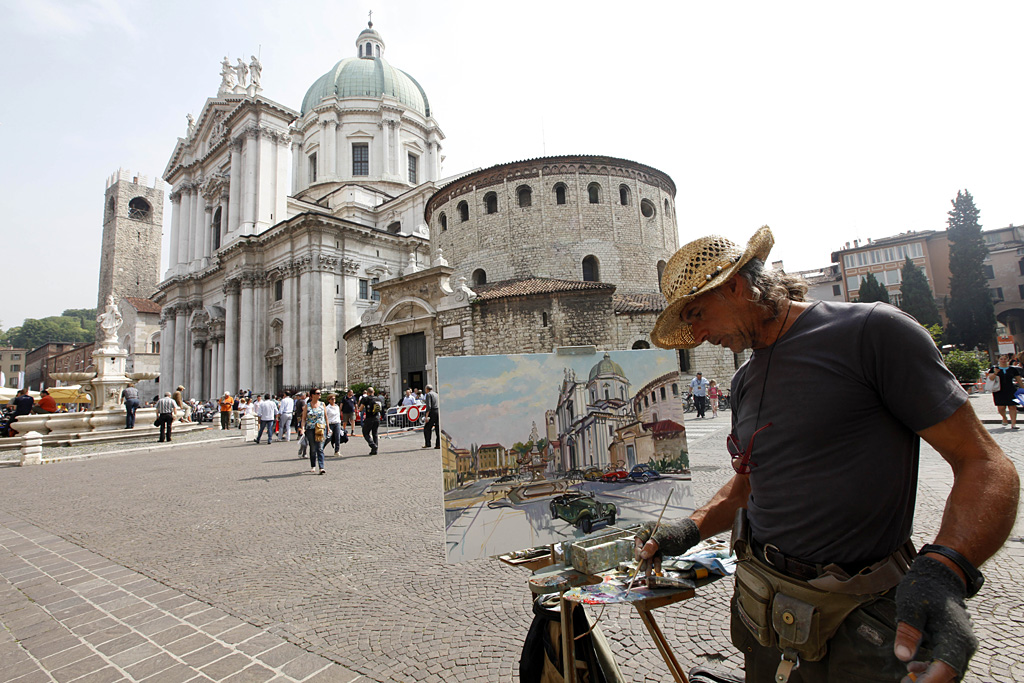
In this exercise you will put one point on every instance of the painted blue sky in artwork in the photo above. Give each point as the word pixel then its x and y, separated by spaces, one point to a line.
pixel 495 399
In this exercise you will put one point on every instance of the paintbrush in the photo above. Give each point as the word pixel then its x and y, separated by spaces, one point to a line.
pixel 657 525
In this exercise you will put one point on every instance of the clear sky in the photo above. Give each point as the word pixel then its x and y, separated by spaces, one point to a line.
pixel 496 399
pixel 827 121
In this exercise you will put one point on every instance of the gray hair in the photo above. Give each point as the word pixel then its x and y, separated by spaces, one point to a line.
pixel 430 388
pixel 770 287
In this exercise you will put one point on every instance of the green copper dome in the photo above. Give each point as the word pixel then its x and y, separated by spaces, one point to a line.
pixel 367 77
pixel 607 367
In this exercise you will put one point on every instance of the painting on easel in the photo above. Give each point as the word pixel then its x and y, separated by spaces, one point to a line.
pixel 542 448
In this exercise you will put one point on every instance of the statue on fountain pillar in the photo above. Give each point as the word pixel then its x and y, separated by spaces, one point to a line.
pixel 109 321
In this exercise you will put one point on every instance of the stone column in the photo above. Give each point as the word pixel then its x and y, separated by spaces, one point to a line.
pixel 302 309
pixel 224 211
pixel 180 325
pixel 199 223
pixel 249 183
pixel 330 144
pixel 289 345
pixel 215 387
pixel 184 225
pixel 245 335
pixel 172 259
pixel 195 388
pixel 297 182
pixel 235 188
pixel 230 354
pixel 166 350
pixel 385 156
pixel 208 241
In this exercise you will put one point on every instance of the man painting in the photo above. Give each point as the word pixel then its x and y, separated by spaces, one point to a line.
pixel 824 503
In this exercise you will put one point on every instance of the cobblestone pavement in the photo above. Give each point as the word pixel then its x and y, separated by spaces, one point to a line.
pixel 350 566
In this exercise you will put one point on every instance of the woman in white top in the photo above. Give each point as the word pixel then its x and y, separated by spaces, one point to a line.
pixel 334 423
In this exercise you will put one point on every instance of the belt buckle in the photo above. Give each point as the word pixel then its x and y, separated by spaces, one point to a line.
pixel 764 552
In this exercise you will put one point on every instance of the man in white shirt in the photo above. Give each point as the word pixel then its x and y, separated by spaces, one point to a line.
pixel 284 422
pixel 266 411
pixel 408 399
pixel 699 391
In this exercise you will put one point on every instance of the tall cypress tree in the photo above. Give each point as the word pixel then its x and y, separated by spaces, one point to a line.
pixel 872 290
pixel 917 295
pixel 972 317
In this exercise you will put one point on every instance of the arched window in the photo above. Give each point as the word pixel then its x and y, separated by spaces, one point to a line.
pixel 139 209
pixel 111 205
pixel 641 344
pixel 661 271
pixel 560 193
pixel 463 211
pixel 215 227
pixel 444 222
pixel 624 195
pixel 544 318
pixel 666 207
pixel 378 50
pixel 154 343
pixel 591 272
pixel 479 277
pixel 395 228
pixel 594 193
pixel 491 202
pixel 647 208
pixel 525 196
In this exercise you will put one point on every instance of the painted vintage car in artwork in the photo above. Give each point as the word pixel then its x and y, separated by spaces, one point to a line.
pixel 582 509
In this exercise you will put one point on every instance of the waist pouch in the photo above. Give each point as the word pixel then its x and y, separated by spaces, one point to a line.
pixel 318 432
pixel 794 615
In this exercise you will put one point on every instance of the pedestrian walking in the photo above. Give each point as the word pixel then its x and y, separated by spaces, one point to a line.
pixel 284 420
pixel 371 418
pixel 334 423
pixel 1009 379
pixel 165 408
pixel 714 393
pixel 699 391
pixel 266 410
pixel 433 405
pixel 130 398
pixel 314 427
pixel 348 412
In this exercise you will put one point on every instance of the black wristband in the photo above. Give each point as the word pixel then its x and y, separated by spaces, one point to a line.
pixel 975 579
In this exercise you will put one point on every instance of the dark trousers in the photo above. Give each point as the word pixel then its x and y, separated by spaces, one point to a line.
pixel 433 425
pixel 702 404
pixel 225 419
pixel 316 449
pixel 165 420
pixel 130 406
pixel 336 434
pixel 267 425
pixel 370 433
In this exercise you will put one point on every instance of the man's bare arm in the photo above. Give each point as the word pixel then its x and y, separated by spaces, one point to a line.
pixel 717 515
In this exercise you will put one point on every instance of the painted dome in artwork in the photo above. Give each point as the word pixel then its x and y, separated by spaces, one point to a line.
pixel 367 75
pixel 606 366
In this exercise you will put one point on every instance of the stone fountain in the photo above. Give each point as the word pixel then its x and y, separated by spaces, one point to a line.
pixel 104 384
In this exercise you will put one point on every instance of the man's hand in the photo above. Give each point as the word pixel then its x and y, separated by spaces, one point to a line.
pixel 670 539
pixel 930 601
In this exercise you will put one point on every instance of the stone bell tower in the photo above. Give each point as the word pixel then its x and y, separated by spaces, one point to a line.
pixel 133 219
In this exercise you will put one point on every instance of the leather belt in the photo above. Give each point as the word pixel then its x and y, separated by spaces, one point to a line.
pixel 791 566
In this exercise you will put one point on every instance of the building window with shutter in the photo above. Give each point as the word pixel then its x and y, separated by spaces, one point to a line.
pixel 360 159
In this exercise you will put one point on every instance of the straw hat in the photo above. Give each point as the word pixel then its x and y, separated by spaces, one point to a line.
pixel 696 269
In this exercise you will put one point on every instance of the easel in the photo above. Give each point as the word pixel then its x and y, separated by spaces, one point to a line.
pixel 568 578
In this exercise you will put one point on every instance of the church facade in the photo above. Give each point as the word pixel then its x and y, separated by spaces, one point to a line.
pixel 323 246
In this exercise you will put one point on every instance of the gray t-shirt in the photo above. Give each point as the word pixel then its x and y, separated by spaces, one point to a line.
pixel 836 473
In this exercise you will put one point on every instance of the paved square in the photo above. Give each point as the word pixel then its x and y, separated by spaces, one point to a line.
pixel 232 561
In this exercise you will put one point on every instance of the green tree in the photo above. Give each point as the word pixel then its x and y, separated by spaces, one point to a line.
pixel 33 333
pixel 87 317
pixel 972 318
pixel 917 295
pixel 964 365
pixel 872 290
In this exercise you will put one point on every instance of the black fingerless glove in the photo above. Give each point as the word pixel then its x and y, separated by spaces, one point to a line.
pixel 931 599
pixel 672 539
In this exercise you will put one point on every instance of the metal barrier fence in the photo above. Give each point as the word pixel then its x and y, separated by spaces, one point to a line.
pixel 403 419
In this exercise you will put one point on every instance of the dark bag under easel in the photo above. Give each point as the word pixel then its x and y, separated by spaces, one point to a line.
pixel 541 661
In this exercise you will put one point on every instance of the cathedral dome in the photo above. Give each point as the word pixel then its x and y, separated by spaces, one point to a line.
pixel 367 75
pixel 607 367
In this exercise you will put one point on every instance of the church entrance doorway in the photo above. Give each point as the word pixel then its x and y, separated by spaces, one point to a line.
pixel 278 378
pixel 412 355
